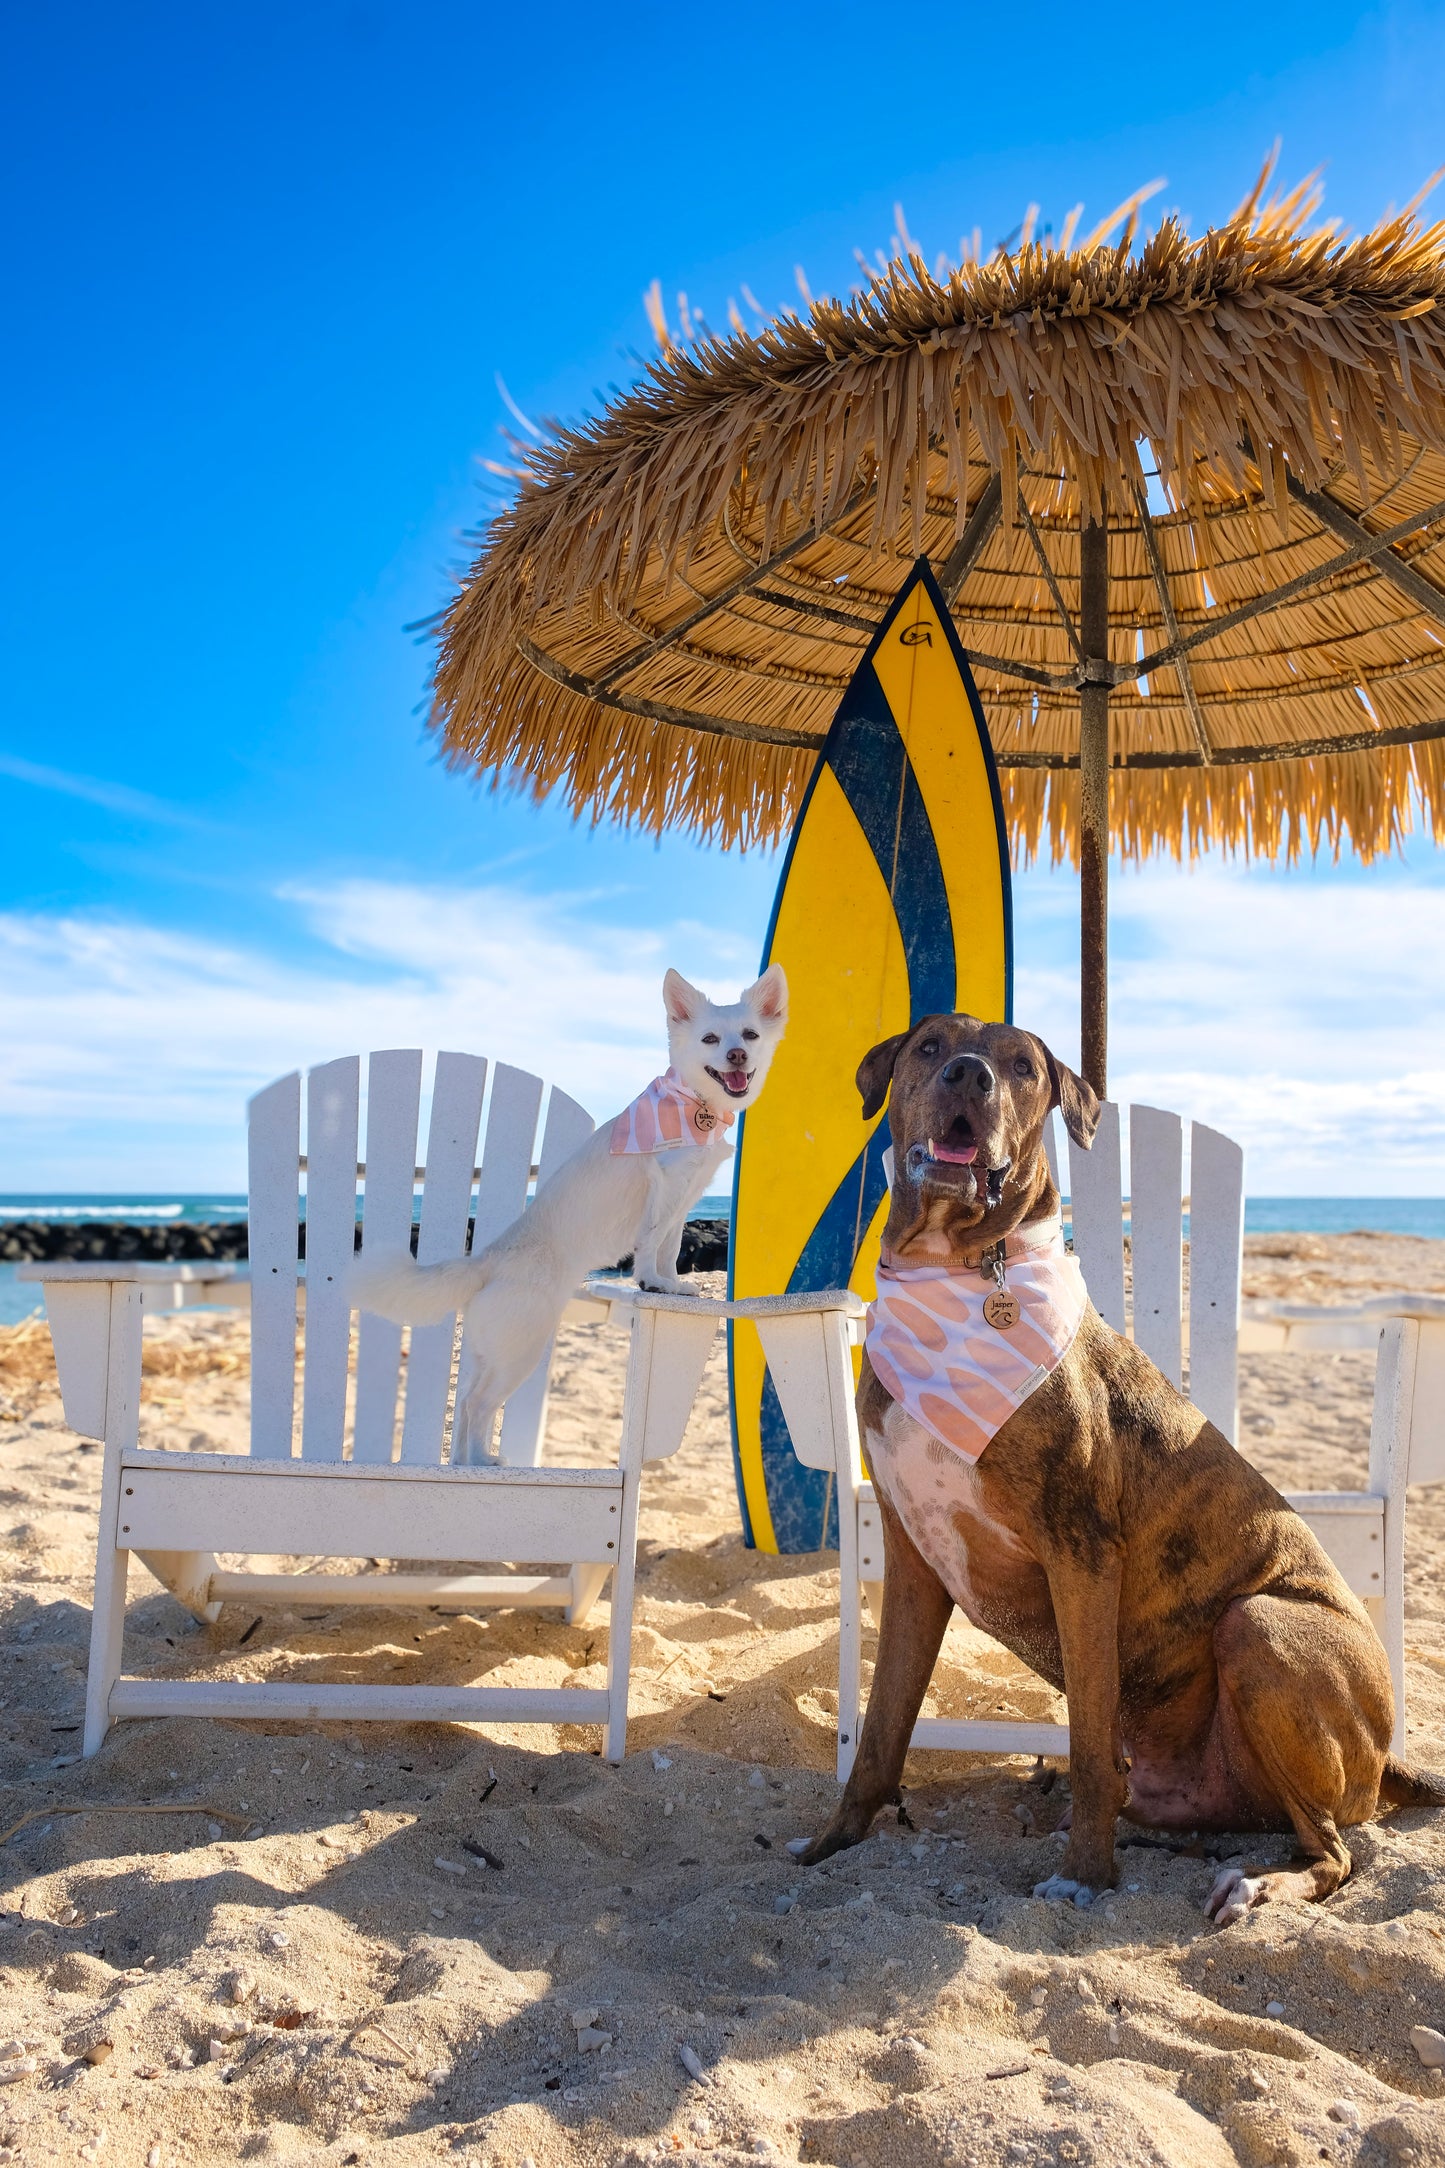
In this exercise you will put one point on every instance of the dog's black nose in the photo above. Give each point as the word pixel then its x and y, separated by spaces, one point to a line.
pixel 971 1069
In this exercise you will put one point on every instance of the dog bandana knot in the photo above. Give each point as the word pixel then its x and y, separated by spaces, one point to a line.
pixel 932 1348
pixel 665 1117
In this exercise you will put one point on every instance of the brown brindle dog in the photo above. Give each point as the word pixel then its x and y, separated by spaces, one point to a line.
pixel 1219 1674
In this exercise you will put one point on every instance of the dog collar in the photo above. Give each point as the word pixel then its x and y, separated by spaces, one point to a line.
pixel 666 1117
pixel 1039 1235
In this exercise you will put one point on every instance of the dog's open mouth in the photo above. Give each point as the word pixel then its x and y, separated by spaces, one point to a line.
pixel 733 1081
pixel 953 1160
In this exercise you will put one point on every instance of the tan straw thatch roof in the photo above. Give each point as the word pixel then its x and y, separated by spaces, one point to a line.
pixel 662 621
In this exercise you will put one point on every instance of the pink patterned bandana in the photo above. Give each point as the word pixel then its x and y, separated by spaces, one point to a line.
pixel 667 1115
pixel 933 1349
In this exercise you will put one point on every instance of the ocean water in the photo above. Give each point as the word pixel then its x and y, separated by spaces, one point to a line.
pixel 212 1206
pixel 1262 1215
pixel 1345 1215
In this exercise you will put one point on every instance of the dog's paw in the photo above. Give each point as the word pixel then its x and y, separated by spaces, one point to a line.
pixel 1060 1890
pixel 657 1285
pixel 1234 1894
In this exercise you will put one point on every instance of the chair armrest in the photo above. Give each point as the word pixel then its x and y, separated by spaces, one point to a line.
pixel 85 1318
pixel 623 1296
pixel 179 1286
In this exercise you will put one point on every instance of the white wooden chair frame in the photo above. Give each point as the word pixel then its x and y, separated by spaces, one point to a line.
pixel 1361 1531
pixel 173 1510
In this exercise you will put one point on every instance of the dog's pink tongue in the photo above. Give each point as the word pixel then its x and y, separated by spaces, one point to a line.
pixel 965 1158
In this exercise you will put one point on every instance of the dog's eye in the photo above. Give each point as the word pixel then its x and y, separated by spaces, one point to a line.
pixel 709 1038
pixel 1023 1066
pixel 929 1046
pixel 748 1034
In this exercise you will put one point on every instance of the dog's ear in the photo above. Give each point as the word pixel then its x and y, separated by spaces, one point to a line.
pixel 1077 1101
pixel 875 1072
pixel 768 996
pixel 681 1000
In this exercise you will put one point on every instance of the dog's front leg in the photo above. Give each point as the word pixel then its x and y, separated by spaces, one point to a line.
pixel 654 1266
pixel 916 1609
pixel 1086 1608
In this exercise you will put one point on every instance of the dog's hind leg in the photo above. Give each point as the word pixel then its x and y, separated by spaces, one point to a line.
pixel 916 1610
pixel 474 1423
pixel 507 1330
pixel 1305 1710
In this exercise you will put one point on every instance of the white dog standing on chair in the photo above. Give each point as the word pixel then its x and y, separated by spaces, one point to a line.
pixel 630 1186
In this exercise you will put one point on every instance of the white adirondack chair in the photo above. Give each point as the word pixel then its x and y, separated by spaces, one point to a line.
pixel 296 1493
pixel 1157 1205
pixel 1362 1531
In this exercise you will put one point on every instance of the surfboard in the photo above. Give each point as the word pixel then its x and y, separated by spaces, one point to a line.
pixel 894 904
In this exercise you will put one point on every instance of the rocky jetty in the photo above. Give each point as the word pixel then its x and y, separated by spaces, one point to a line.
pixel 22 1241
pixel 704 1242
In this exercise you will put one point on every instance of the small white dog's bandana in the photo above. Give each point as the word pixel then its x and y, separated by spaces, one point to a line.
pixel 933 1350
pixel 665 1116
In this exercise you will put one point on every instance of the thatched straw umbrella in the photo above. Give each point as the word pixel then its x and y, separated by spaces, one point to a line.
pixel 662 621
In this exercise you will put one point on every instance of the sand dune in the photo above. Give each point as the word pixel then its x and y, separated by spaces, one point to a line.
pixel 400 1945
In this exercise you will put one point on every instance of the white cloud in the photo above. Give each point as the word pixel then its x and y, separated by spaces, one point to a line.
pixel 129 1052
pixel 95 790
pixel 1303 1014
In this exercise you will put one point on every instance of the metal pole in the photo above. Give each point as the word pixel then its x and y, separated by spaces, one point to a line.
pixel 1094 804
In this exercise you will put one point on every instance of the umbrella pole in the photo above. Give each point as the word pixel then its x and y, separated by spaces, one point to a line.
pixel 1094 804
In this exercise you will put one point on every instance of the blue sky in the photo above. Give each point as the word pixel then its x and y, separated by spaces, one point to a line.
pixel 266 269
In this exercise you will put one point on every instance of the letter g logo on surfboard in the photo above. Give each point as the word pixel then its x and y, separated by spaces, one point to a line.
pixel 894 903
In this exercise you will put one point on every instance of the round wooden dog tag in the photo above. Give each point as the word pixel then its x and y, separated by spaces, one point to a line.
pixel 1001 1309
pixel 703 1118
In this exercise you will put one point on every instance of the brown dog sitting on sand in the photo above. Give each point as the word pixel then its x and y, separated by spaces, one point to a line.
pixel 1037 1470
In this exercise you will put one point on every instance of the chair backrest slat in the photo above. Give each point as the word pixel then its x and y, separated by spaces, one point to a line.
pixel 524 1418
pixel 507 1156
pixel 393 1100
pixel 1427 1405
pixel 1216 1263
pixel 446 1198
pixel 273 1149
pixel 1156 1235
pixel 1051 1153
pixel 506 1166
pixel 333 1092
pixel 1096 1202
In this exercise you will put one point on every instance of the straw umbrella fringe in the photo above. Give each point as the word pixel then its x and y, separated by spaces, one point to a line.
pixel 661 622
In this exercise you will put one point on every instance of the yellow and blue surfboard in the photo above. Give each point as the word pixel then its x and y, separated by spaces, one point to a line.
pixel 894 904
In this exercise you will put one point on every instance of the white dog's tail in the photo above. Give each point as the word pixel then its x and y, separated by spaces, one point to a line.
pixel 412 1294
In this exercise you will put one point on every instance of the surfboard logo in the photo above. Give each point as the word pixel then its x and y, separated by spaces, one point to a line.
pixel 894 904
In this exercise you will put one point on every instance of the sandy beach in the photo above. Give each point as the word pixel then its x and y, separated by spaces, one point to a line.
pixel 394 1945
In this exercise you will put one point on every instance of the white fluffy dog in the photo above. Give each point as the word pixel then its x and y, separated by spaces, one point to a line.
pixel 630 1186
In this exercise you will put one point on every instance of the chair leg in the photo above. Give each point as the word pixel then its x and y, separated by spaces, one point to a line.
pixel 587 1582
pixel 850 1670
pixel 107 1636
pixel 112 1564
pixel 619 1645
pixel 873 1590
